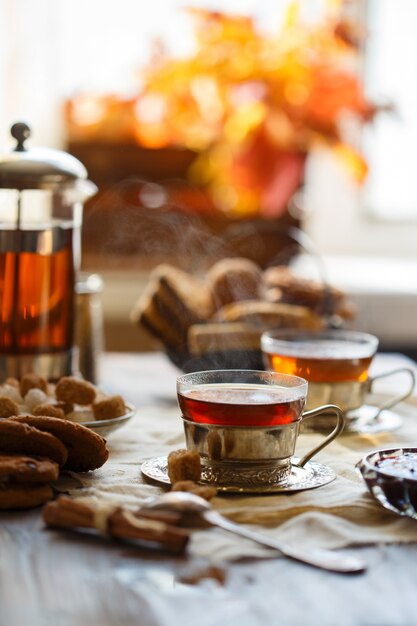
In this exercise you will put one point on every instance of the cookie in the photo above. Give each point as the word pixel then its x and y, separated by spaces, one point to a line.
pixel 222 336
pixel 19 438
pixel 322 298
pixel 75 390
pixel 170 303
pixel 86 449
pixel 235 279
pixel 264 315
pixel 25 496
pixel 16 468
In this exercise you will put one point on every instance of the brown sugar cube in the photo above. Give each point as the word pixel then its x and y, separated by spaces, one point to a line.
pixel 184 465
pixel 274 294
pixel 13 382
pixel 106 409
pixel 70 389
pixel 8 407
pixel 184 485
pixel 205 491
pixel 32 381
pixel 190 486
pixel 211 571
pixel 49 410
pixel 66 407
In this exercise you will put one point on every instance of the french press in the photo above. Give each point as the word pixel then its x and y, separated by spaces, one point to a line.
pixel 41 202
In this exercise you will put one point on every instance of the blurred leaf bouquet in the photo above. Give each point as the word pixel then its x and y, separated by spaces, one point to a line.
pixel 253 105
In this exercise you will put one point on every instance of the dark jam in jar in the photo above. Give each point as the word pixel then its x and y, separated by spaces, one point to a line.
pixel 400 465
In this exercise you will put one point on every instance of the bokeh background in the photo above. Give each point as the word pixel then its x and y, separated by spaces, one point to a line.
pixel 55 55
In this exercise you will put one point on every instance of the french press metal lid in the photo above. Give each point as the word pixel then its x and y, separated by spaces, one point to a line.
pixel 37 168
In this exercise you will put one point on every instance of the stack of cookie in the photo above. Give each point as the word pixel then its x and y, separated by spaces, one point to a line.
pixel 217 320
pixel 33 449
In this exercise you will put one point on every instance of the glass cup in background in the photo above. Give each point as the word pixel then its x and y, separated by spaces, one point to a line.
pixel 245 424
pixel 336 364
pixel 89 330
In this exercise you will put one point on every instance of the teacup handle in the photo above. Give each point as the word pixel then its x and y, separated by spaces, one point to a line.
pixel 341 421
pixel 396 399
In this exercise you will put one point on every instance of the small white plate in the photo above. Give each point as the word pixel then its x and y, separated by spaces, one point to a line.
pixel 310 476
pixel 107 427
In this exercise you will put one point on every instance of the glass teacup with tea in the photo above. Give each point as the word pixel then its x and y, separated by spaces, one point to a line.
pixel 245 424
pixel 336 364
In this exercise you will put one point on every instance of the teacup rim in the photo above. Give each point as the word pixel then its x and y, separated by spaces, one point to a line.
pixel 283 338
pixel 184 378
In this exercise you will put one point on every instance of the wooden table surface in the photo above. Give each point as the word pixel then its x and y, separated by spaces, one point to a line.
pixel 51 578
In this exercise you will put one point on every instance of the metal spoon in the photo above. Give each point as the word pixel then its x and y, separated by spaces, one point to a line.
pixel 190 503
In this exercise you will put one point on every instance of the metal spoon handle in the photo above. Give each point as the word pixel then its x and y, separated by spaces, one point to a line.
pixel 324 559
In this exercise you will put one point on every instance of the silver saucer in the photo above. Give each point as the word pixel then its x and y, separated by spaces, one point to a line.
pixel 311 476
pixel 363 421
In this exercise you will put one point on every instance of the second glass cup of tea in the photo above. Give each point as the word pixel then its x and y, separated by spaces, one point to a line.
pixel 245 424
pixel 336 364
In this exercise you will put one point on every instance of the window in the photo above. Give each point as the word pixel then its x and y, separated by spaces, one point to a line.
pixel 50 49
pixel 390 144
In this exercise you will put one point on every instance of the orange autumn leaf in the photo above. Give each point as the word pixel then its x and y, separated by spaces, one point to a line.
pixel 252 104
pixel 352 161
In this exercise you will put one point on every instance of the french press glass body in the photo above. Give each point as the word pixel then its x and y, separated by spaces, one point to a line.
pixel 41 201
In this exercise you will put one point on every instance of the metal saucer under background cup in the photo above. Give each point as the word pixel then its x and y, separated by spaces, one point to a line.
pixel 245 424
pixel 336 364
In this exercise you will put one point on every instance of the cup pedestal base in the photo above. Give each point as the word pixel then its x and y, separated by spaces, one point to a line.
pixel 51 366
pixel 245 475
